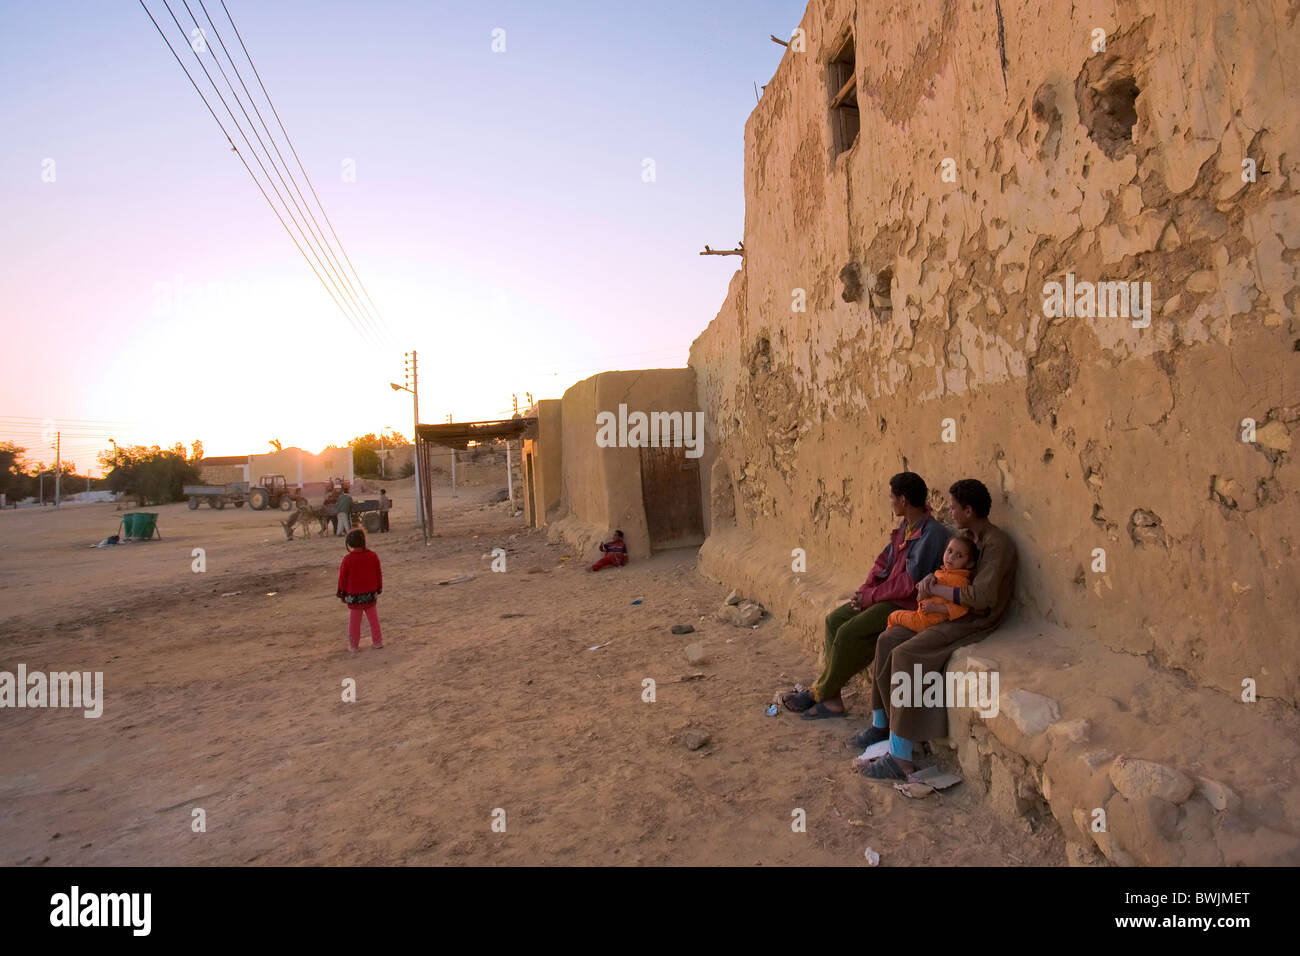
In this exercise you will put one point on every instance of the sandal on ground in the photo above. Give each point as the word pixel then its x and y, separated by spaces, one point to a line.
pixel 377 647
pixel 821 712
pixel 798 702
pixel 872 735
pixel 884 770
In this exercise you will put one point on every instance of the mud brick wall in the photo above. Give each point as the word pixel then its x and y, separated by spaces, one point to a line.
pixel 1001 149
pixel 601 487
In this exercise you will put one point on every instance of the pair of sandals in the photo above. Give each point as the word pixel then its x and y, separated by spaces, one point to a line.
pixel 884 769
pixel 804 703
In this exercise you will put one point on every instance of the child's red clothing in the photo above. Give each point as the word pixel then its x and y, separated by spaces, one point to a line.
pixel 615 554
pixel 361 580
pixel 354 625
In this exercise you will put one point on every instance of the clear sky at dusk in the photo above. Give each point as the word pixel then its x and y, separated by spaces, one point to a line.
pixel 498 217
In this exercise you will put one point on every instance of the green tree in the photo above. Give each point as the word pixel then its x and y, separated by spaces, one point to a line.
pixel 365 454
pixel 151 474
pixel 365 451
pixel 14 479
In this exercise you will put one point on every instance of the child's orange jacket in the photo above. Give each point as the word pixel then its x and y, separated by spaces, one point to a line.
pixel 919 620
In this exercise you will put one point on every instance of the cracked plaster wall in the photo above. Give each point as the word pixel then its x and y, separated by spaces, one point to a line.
pixel 1090 433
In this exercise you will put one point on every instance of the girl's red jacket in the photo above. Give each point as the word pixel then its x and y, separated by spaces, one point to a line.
pixel 359 573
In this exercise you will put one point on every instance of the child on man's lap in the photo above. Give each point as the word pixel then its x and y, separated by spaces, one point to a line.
pixel 958 565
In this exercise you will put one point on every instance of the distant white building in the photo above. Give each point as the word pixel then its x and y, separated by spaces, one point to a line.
pixel 298 467
pixel 86 497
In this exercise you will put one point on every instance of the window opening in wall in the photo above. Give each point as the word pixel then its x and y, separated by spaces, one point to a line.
pixel 842 76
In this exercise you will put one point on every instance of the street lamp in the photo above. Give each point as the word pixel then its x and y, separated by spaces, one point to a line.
pixel 383 456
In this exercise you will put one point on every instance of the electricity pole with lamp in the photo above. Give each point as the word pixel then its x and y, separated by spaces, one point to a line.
pixel 411 364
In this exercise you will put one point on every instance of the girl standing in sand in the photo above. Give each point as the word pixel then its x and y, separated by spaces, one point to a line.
pixel 361 581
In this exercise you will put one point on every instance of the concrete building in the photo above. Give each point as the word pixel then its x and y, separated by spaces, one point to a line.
pixel 219 471
pixel 301 467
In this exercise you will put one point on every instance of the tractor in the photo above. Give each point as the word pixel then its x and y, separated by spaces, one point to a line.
pixel 272 491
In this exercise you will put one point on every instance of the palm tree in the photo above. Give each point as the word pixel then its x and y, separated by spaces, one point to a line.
pixel 276 443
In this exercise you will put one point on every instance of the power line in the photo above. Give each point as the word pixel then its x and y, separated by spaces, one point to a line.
pixel 333 269
pixel 56 426
pixel 53 424
pixel 377 321
pixel 247 168
pixel 36 435
pixel 38 447
pixel 96 421
pixel 256 158
pixel 37 443
pixel 292 149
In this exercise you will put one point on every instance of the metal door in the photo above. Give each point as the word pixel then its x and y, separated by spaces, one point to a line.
pixel 670 491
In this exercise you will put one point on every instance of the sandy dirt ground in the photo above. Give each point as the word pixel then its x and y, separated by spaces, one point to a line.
pixel 486 697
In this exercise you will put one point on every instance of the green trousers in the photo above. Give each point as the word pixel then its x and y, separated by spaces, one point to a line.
pixel 850 645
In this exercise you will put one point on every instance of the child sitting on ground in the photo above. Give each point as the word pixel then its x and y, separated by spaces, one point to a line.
pixel 361 581
pixel 615 553
pixel 958 564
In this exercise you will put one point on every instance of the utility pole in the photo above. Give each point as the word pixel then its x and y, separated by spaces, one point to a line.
pixel 453 465
pixel 58 468
pixel 510 478
pixel 413 386
pixel 510 470
pixel 413 378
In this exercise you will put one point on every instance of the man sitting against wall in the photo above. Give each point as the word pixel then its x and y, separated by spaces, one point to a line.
pixel 899 650
pixel 915 549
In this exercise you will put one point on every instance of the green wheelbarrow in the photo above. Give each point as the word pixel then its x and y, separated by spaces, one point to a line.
pixel 139 526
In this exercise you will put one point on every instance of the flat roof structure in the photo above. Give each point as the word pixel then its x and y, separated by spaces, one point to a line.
pixel 460 434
